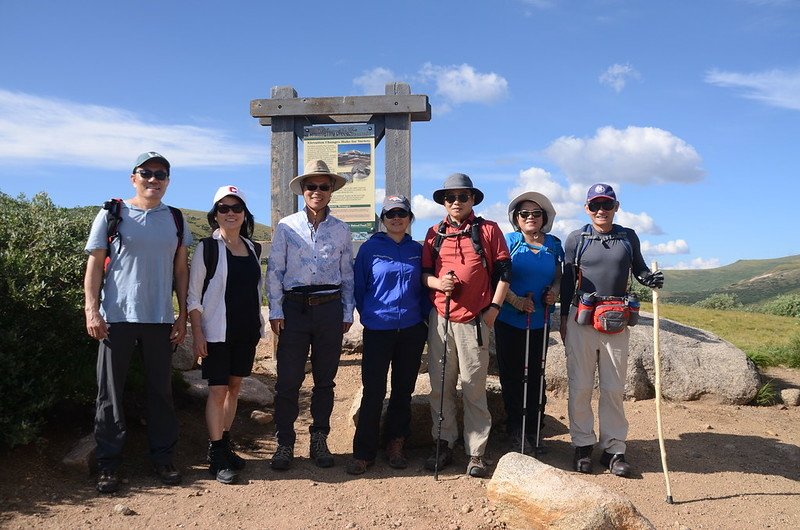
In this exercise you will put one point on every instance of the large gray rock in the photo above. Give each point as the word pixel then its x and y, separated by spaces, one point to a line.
pixel 530 494
pixel 694 364
pixel 82 455
pixel 183 358
pixel 253 390
pixel 421 420
pixel 353 341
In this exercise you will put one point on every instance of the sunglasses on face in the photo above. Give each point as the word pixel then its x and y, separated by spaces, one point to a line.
pixel 530 213
pixel 315 187
pixel 391 214
pixel 461 197
pixel 225 208
pixel 605 205
pixel 147 174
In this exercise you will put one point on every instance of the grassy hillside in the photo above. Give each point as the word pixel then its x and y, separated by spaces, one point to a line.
pixel 751 281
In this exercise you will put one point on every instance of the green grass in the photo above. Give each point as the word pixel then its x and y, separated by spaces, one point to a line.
pixel 768 340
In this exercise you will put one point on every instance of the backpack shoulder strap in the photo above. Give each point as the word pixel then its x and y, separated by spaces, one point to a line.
pixel 583 242
pixel 210 258
pixel 477 243
pixel 113 207
pixel 437 241
pixel 177 216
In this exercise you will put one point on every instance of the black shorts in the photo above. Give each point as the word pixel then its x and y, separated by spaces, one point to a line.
pixel 227 359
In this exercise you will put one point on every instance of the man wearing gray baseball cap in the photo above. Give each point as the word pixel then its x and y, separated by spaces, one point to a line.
pixel 135 261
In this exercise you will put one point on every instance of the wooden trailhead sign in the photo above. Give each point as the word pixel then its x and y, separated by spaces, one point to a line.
pixel 290 116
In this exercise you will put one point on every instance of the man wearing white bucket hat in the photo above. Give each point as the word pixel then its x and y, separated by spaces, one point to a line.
pixel 310 291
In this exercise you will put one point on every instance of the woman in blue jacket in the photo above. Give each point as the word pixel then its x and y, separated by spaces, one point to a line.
pixel 536 260
pixel 393 307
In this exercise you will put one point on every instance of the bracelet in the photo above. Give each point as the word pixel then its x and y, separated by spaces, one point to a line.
pixel 496 306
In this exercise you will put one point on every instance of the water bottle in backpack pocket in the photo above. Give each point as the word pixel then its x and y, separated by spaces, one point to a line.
pixel 633 305
pixel 585 311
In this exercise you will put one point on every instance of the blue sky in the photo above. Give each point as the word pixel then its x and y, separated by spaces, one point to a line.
pixel 690 108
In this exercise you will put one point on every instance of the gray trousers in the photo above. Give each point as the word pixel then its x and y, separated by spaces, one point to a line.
pixel 110 429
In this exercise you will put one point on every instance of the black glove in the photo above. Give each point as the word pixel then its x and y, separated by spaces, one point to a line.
pixel 654 280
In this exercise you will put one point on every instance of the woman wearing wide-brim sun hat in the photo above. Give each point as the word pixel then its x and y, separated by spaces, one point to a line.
pixel 536 258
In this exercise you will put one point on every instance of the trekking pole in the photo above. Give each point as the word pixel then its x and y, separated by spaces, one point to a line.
pixel 539 448
pixel 441 396
pixel 657 362
pixel 525 380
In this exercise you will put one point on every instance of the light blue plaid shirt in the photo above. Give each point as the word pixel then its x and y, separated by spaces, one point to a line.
pixel 302 256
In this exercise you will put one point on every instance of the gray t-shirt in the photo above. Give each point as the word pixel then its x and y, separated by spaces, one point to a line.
pixel 605 263
pixel 138 283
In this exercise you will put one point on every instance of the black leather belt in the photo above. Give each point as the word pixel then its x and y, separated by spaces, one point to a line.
pixel 310 299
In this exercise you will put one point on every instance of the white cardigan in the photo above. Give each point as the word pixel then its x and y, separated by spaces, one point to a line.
pixel 212 307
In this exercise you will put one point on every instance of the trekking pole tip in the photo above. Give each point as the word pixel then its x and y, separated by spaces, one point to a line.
pixel 669 499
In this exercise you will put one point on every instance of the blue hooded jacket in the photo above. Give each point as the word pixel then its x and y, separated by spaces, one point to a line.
pixel 388 283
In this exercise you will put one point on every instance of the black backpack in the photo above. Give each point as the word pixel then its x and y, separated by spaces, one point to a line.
pixel 474 233
pixel 211 256
pixel 114 218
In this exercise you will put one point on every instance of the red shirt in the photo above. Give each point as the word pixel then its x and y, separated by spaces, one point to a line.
pixel 473 291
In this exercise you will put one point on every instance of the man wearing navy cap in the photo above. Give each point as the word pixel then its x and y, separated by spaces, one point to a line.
pixel 130 275
pixel 599 259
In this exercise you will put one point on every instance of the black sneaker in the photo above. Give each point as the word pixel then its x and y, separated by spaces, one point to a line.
pixel 445 457
pixel 236 461
pixel 282 458
pixel 583 459
pixel 107 481
pixel 319 450
pixel 616 464
pixel 168 474
pixel 218 463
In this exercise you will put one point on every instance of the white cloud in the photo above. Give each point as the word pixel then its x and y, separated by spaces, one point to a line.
pixel 641 222
pixel 424 208
pixel 462 84
pixel 636 154
pixel 35 129
pixel 697 263
pixel 373 82
pixel 678 246
pixel 497 212
pixel 779 88
pixel 617 75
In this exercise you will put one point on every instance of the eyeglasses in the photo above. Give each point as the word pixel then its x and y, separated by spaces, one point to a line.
pixel 315 187
pixel 147 174
pixel 461 197
pixel 607 205
pixel 225 208
pixel 530 213
pixel 391 214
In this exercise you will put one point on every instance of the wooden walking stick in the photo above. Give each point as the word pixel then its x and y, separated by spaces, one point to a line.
pixel 657 362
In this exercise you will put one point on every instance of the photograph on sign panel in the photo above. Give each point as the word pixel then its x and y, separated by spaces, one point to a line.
pixel 355 161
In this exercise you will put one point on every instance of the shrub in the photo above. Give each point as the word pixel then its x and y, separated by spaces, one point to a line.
pixel 45 352
pixel 787 305
pixel 719 301
pixel 766 395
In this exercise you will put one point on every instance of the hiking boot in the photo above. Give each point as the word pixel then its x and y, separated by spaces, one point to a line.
pixel 358 467
pixel 219 465
pixel 107 481
pixel 282 458
pixel 168 474
pixel 616 464
pixel 583 459
pixel 516 442
pixel 319 451
pixel 394 453
pixel 445 457
pixel 236 461
pixel 476 467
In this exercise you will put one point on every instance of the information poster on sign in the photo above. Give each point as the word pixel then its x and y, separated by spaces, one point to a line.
pixel 349 151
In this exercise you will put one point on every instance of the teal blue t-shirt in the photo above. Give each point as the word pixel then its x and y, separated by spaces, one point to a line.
pixel 531 272
pixel 138 283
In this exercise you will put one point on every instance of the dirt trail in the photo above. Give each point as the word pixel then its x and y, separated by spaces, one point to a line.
pixel 731 467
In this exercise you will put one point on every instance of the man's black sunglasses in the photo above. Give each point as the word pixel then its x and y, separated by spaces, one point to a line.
pixel 147 174
pixel 462 197
pixel 605 205
pixel 314 187
pixel 225 208
pixel 397 212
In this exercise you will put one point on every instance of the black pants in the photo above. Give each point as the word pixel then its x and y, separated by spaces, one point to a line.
pixel 402 349
pixel 510 343
pixel 113 361
pixel 319 327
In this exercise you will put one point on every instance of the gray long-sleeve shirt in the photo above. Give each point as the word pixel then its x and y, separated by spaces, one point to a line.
pixel 605 263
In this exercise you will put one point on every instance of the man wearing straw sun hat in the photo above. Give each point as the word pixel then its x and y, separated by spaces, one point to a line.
pixel 310 291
